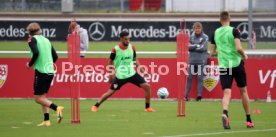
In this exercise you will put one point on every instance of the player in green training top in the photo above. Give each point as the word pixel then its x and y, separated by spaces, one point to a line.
pixel 123 56
pixel 226 44
pixel 43 58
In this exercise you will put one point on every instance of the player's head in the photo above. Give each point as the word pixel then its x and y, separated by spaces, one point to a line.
pixel 124 38
pixel 34 29
pixel 197 27
pixel 224 17
pixel 72 27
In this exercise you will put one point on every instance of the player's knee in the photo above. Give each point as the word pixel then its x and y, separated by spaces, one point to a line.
pixel 37 99
pixel 243 91
pixel 110 94
pixel 146 86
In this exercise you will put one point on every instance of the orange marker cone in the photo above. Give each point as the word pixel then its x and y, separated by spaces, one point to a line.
pixel 256 111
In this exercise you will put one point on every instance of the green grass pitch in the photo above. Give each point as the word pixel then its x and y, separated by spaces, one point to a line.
pixel 126 118
pixel 107 46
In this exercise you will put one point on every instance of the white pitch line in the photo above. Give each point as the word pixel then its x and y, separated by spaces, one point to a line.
pixel 218 133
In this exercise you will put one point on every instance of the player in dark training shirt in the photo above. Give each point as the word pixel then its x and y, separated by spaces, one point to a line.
pixel 227 46
pixel 123 56
pixel 43 58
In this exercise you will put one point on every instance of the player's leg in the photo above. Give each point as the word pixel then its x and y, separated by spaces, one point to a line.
pixel 189 82
pixel 42 85
pixel 147 91
pixel 116 85
pixel 226 99
pixel 199 81
pixel 225 105
pixel 46 104
pixel 246 106
pixel 44 101
pixel 245 100
pixel 40 99
pixel 46 112
pixel 240 77
pixel 59 109
pixel 139 81
pixel 105 96
pixel 46 121
pixel 226 80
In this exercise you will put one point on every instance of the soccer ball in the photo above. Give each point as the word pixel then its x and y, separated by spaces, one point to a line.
pixel 163 93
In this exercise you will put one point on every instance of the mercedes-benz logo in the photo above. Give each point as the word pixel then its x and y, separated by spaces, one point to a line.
pixel 243 27
pixel 96 31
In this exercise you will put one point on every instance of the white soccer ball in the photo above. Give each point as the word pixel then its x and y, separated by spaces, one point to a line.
pixel 163 93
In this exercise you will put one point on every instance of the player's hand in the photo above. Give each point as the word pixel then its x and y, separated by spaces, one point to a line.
pixel 110 79
pixel 27 65
pixel 245 57
pixel 202 41
pixel 146 75
pixel 198 46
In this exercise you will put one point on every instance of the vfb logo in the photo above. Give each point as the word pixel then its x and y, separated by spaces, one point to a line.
pixel 211 78
pixel 3 74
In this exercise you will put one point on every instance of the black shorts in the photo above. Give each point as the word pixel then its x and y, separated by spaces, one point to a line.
pixel 136 79
pixel 237 73
pixel 42 83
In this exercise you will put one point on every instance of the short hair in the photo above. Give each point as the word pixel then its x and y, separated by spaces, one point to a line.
pixel 224 16
pixel 33 29
pixel 72 26
pixel 123 34
pixel 197 24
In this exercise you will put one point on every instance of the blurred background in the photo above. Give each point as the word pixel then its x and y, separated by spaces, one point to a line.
pixel 121 6
pixel 153 26
pixel 151 23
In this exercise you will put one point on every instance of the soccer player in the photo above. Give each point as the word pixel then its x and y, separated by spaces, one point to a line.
pixel 43 58
pixel 123 56
pixel 226 44
pixel 197 59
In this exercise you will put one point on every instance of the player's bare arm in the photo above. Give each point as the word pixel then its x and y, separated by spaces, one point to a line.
pixel 142 70
pixel 239 48
pixel 138 65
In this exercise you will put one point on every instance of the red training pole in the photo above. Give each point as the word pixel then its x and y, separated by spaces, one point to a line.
pixel 74 57
pixel 182 40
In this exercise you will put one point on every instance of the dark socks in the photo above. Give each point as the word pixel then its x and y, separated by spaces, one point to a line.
pixel 225 112
pixel 46 116
pixel 53 107
pixel 147 105
pixel 248 118
pixel 97 104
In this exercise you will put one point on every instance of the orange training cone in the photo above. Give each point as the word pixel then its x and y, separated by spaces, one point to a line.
pixel 256 111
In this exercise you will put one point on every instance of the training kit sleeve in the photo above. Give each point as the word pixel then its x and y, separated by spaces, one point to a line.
pixel 134 53
pixel 33 47
pixel 54 55
pixel 236 33
pixel 213 39
pixel 112 54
